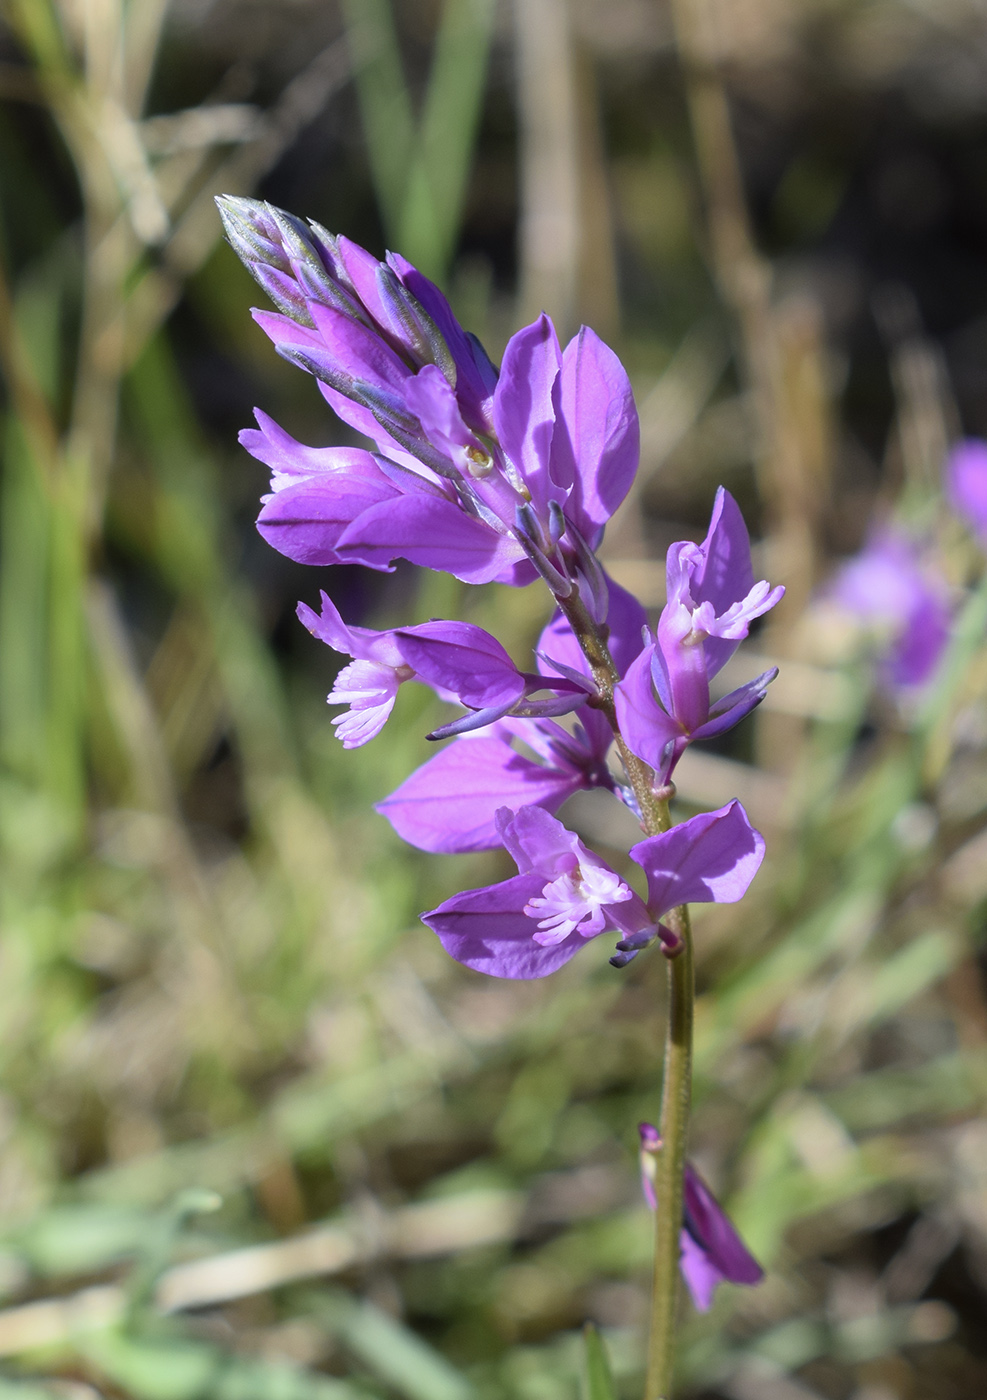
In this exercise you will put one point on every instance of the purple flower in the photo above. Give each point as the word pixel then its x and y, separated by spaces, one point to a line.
pixel 459 660
pixel 966 483
pixel 663 702
pixel 887 588
pixel 564 894
pixel 712 1251
pixel 450 803
pixel 488 478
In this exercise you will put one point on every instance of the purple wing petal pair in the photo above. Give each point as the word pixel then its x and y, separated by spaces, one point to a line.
pixel 564 894
pixel 663 702
pixel 712 1251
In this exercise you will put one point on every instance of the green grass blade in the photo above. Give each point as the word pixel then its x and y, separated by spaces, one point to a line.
pixel 433 207
pixel 599 1380
pixel 385 103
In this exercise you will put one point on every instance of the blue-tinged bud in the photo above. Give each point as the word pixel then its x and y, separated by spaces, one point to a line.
pixel 283 290
pixel 293 264
pixel 251 231
pixel 416 328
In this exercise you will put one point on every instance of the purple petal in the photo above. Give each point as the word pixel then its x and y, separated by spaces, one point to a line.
pixel 449 804
pixel 463 659
pixel 700 1273
pixel 711 858
pixel 290 459
pixel 433 402
pixel 680 668
pixel 306 519
pixel 709 1226
pixel 358 352
pixel 487 930
pixel 435 534
pixel 725 574
pixel 523 413
pixel 359 417
pixel 648 731
pixel 597 438
pixel 362 643
pixel 966 482
pixel 359 269
pixel 538 841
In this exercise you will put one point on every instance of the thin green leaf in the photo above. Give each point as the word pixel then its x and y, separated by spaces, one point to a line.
pixel 599 1380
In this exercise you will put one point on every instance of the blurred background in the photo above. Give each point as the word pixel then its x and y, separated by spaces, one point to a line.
pixel 259 1138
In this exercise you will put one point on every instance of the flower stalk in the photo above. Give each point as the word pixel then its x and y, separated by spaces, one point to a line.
pixel 677 1068
pixel 675 1106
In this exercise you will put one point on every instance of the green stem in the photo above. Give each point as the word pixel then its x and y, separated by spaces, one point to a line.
pixel 675 1103
pixel 677 1075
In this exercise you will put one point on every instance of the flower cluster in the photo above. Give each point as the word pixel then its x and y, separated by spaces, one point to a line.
pixel 506 476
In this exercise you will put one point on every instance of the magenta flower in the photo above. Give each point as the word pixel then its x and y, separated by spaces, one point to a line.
pixel 966 483
pixel 905 604
pixel 712 1251
pixel 663 702
pixel 487 478
pixel 461 661
pixel 565 894
pixel 450 803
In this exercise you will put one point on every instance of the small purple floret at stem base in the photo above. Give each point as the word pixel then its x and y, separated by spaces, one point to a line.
pixel 712 1251
pixel 564 894
pixel 663 701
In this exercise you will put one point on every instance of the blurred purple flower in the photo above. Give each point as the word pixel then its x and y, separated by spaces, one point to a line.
pixel 450 803
pixel 461 661
pixel 712 1251
pixel 887 588
pixel 966 483
pixel 663 702
pixel 486 477
pixel 564 894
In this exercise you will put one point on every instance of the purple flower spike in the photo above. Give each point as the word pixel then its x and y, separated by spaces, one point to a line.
pixel 712 1251
pixel 564 894
pixel 887 588
pixel 966 483
pixel 663 702
pixel 459 660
